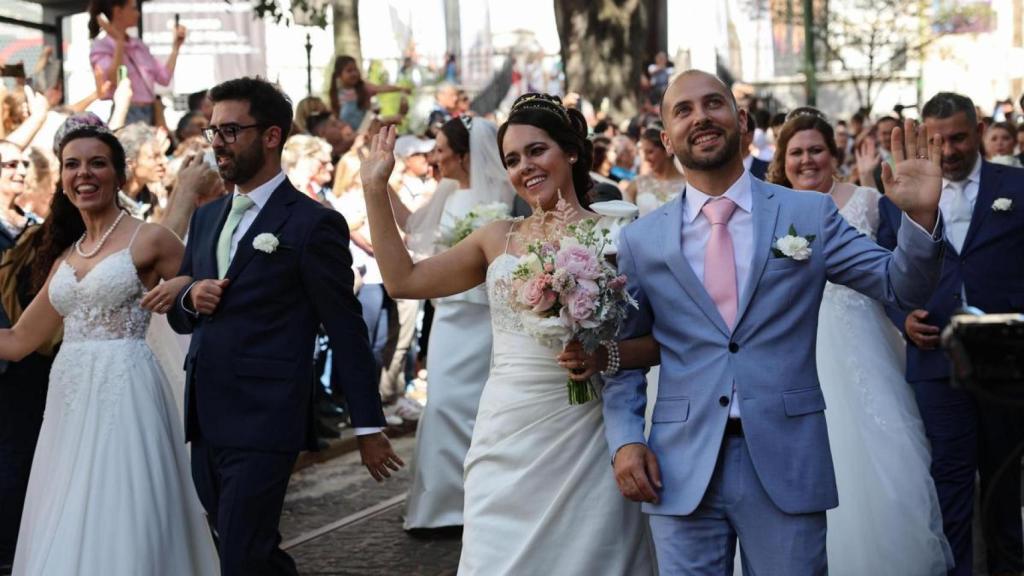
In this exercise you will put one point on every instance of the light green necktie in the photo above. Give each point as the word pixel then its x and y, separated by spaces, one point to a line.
pixel 239 205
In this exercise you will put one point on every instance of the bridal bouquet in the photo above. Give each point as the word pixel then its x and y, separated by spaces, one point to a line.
pixel 565 290
pixel 475 218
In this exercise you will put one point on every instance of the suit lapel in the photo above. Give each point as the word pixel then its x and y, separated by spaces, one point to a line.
pixel 680 267
pixel 765 209
pixel 987 186
pixel 270 219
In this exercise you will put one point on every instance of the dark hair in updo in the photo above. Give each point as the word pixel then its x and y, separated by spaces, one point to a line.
pixel 566 127
pixel 457 134
pixel 64 225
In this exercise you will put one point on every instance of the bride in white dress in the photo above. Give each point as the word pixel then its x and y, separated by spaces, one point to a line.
pixel 888 520
pixel 110 493
pixel 540 496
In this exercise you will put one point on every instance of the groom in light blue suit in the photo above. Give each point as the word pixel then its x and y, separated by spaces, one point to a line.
pixel 738 447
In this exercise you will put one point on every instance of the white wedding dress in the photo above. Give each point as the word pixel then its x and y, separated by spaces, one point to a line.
pixel 540 494
pixel 110 493
pixel 888 520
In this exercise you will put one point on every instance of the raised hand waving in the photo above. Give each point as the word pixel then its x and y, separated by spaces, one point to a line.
pixel 915 183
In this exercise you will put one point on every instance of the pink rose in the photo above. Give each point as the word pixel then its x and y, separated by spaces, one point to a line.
pixel 579 261
pixel 536 294
pixel 581 304
pixel 547 302
pixel 532 291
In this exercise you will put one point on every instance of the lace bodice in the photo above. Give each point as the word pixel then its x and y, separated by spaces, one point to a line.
pixel 499 287
pixel 861 212
pixel 103 305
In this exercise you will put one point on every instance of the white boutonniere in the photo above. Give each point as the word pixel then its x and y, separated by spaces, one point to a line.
pixel 1002 205
pixel 793 246
pixel 266 242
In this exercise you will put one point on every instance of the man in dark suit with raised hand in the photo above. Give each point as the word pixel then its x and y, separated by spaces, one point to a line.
pixel 982 205
pixel 269 266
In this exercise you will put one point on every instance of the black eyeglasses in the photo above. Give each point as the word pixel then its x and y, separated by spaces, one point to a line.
pixel 13 164
pixel 228 132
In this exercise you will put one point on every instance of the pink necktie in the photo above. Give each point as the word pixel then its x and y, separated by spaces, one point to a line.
pixel 719 260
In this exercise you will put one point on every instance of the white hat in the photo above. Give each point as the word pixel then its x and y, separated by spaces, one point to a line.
pixel 407 146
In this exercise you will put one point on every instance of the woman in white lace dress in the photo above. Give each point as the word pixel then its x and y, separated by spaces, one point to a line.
pixel 540 496
pixel 888 520
pixel 650 191
pixel 110 491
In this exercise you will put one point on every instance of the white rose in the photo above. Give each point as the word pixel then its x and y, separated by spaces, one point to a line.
pixel 265 242
pixel 795 247
pixel 1002 205
pixel 549 331
pixel 532 264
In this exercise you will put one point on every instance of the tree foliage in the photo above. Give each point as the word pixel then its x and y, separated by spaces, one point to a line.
pixel 306 12
pixel 604 46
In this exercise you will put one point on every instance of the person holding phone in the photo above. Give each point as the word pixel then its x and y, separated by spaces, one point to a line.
pixel 116 49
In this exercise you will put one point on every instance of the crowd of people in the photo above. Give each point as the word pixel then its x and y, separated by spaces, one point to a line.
pixel 371 296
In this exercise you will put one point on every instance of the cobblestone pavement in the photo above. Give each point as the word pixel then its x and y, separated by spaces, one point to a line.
pixel 329 491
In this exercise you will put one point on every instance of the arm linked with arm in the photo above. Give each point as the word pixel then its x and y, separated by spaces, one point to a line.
pixel 182 319
pixel 625 393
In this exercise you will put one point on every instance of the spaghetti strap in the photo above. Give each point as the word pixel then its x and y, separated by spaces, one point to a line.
pixel 134 234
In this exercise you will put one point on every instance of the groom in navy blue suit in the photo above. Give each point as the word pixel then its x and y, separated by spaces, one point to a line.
pixel 982 205
pixel 269 266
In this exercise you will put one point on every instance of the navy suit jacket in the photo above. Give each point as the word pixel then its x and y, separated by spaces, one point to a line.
pixel 758 168
pixel 249 369
pixel 990 267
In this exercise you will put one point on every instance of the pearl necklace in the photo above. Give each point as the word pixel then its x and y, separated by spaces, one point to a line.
pixel 103 239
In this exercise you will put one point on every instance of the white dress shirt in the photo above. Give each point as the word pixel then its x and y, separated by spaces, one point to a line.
pixel 957 216
pixel 697 231
pixel 259 196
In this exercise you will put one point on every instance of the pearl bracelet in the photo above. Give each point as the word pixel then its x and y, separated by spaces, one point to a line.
pixel 614 360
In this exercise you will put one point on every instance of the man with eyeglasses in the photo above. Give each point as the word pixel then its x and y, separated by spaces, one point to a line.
pixel 269 266
pixel 14 165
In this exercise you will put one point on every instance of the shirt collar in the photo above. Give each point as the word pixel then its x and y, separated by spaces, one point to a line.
pixel 260 194
pixel 974 176
pixel 739 193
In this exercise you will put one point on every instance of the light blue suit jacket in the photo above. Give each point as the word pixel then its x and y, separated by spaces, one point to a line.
pixel 770 355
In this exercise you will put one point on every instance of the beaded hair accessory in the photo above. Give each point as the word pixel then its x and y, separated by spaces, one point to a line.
pixel 542 102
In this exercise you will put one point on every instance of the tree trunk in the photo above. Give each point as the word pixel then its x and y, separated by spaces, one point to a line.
pixel 604 45
pixel 346 29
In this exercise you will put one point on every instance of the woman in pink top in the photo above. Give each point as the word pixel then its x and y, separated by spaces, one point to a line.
pixel 115 48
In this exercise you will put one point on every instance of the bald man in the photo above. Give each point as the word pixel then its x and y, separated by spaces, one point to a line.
pixel 738 447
